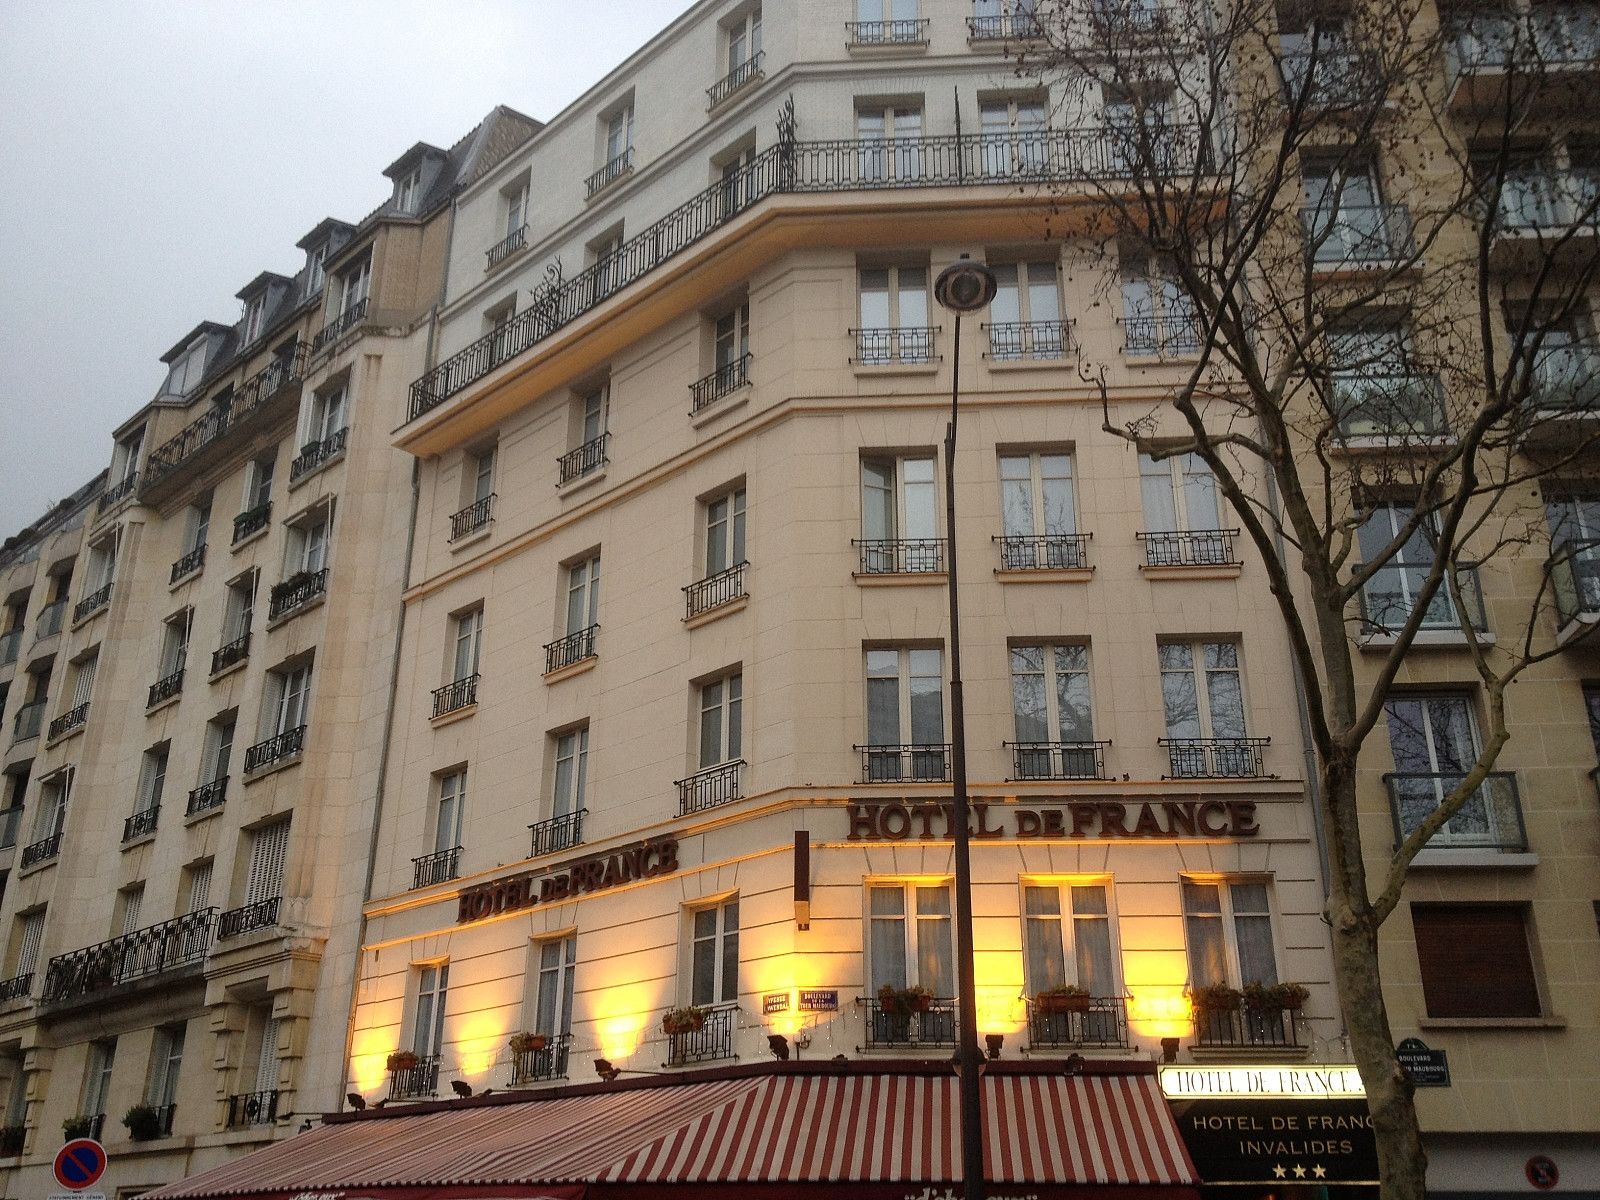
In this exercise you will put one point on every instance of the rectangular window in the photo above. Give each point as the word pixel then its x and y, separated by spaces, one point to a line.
pixel 558 963
pixel 407 191
pixel 451 811
pixel 1434 739
pixel 152 777
pixel 1158 316
pixel 619 133
pixel 571 779
pixel 266 1063
pixel 102 565
pixel 592 407
pixel 1179 493
pixel 910 937
pixel 1390 596
pixel 890 140
pixel 731 338
pixel 1201 690
pixel 894 316
pixel 251 326
pixel 1015 141
pixel 1343 213
pixel 744 40
pixel 130 902
pixel 175 642
pixel 905 714
pixel 583 595
pixel 427 1029
pixel 97 1080
pixel 1025 314
pixel 1050 704
pixel 1373 388
pixel 30 938
pixel 314 271
pixel 1476 960
pixel 1067 938
pixel 83 678
pixel 199 531
pixel 287 698
pixel 1228 931
pixel 714 954
pixel 1038 508
pixel 899 516
pixel 468 640
pixel 218 748
pixel 54 793
pixel 258 483
pixel 720 703
pixel 516 208
pixel 166 1065
pixel 324 415
pixel 269 846
pixel 199 889
pixel 240 607
pixel 725 523
pixel 307 544
pixel 482 474
pixel 354 285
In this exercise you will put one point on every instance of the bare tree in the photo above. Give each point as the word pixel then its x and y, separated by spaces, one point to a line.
pixel 1372 249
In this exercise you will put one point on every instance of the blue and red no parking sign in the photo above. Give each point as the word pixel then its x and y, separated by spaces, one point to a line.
pixel 80 1164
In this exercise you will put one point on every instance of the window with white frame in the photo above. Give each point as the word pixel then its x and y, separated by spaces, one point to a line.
pixel 218 749
pixel 175 632
pixel 1025 314
pixel 899 515
pixel 1201 691
pixel 1005 18
pixel 570 779
pixel 125 457
pixel 905 714
pixel 153 777
pixel 102 565
pixel 84 671
pixel 724 531
pixel 730 344
pixel 1228 931
pixel 187 370
pixel 1015 138
pixel 744 40
pixel 1066 936
pixel 583 595
pixel 450 811
pixel 893 305
pixel 480 472
pixel 55 791
pixel 239 609
pixel 1050 702
pixel 97 1078
pixel 285 700
pixel 714 953
pixel 1038 509
pixel 515 199
pixel 29 941
pixel 408 191
pixel 254 312
pixel 720 735
pixel 619 135
pixel 198 532
pixel 166 1065
pixel 1180 498
pixel 734 173
pixel 468 640
pixel 1158 316
pixel 1434 739
pixel 1390 595
pixel 1343 212
pixel 427 1019
pixel 1573 516
pixel 557 971
pixel 890 146
pixel 909 937
pixel 355 283
pixel 314 272
pixel 324 414
pixel 306 543
pixel 258 483
pixel 604 255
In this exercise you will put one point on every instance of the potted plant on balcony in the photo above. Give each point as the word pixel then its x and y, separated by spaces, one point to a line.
pixel 11 1139
pixel 403 1060
pixel 1275 996
pixel 1215 997
pixel 902 1002
pixel 688 1019
pixel 528 1043
pixel 143 1122
pixel 76 1127
pixel 1064 998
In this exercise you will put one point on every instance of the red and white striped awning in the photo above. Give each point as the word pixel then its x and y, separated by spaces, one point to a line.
pixel 862 1132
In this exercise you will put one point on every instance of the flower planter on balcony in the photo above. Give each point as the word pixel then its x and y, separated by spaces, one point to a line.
pixel 683 1020
pixel 1073 1000
pixel 402 1060
pixel 902 1002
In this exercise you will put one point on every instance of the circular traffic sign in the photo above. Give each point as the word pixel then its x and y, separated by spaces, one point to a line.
pixel 1542 1172
pixel 80 1163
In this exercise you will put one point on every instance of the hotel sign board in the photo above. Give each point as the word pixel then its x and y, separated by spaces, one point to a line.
pixel 601 872
pixel 1274 1125
pixel 922 820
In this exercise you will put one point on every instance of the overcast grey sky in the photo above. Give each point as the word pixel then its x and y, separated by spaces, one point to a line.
pixel 156 155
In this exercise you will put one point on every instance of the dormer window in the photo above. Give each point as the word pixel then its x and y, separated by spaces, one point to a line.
pixel 254 312
pixel 125 457
pixel 314 274
pixel 185 373
pixel 407 191
pixel 354 285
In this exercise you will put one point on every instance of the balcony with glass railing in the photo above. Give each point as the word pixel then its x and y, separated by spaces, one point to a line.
pixel 1357 236
pixel 1574 568
pixel 1490 819
pixel 1386 405
pixel 28 721
pixel 51 618
pixel 1564 384
pixel 10 646
pixel 1392 595
pixel 1332 77
pixel 1539 57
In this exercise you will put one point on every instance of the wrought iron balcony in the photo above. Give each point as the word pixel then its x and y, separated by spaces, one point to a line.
pixel 275 749
pixel 154 950
pixel 295 592
pixel 573 648
pixel 10 819
pixel 1575 580
pixel 887 33
pixel 248 918
pixel 1240 1028
pixel 1058 760
pixel 550 1062
pixel 900 556
pixel 18 987
pixel 165 1113
pixel 1176 335
pixel 506 247
pixel 904 344
pixel 252 1108
pixel 141 824
pixel 1358 235
pixel 585 460
pixel 41 851
pixel 712 1041
pixel 252 520
pixel 557 834
pixel 440 867
pixel 73 718
pixel 724 381
pixel 189 563
pixel 1001 27
pixel 710 787
pixel 208 796
pixel 715 590
pixel 1045 552
pixel 10 643
pixel 1390 597
pixel 314 454
pixel 614 170
pixel 92 603
pixel 234 652
pixel 1103 1022
pixel 1387 404
pixel 415 1083
pixel 933 1028
pixel 51 617
pixel 918 762
pixel 341 324
pixel 1214 758
pixel 1491 819
pixel 165 688
pixel 1017 341
pixel 118 492
pixel 454 696
pixel 28 720
pixel 1189 548
pixel 746 72
pixel 472 518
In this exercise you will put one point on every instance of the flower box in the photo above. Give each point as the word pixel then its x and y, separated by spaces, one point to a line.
pixel 528 1043
pixel 902 1002
pixel 683 1020
pixel 403 1060
pixel 1216 997
pixel 1062 1000
pixel 1279 997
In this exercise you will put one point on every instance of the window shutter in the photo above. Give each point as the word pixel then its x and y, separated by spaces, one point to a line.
pixel 1475 960
pixel 267 850
pixel 267 1060
pixel 133 900
pixel 32 939
pixel 200 887
pixel 85 682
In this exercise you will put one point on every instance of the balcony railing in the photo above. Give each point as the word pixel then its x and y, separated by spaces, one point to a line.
pixel 234 652
pixel 1357 234
pixel 73 718
pixel 715 590
pixel 1550 35
pixel 923 761
pixel 900 556
pixel 1176 335
pixel 252 1108
pixel 414 1083
pixel 462 693
pixel 313 454
pixel 1058 760
pixel 1387 404
pixel 1390 597
pixel 934 1028
pixel 1541 199
pixel 614 170
pixel 189 563
pixel 1565 380
pixel 284 371
pixel 550 1062
pixel 252 520
pixel 557 834
pixel 585 460
pixel 1014 341
pixel 710 787
pixel 164 688
pixel 180 942
pixel 29 718
pixel 472 518
pixel 905 344
pixel 165 1115
pixel 516 240
pixel 573 648
pixel 1332 79
pixel 51 617
pixel 1046 552
pixel 208 796
pixel 275 749
pixel 41 851
pixel 118 492
pixel 10 819
pixel 746 72
pixel 1239 1028
pixel 1103 1023
pixel 296 592
pixel 248 918
pixel 1491 819
pixel 1002 26
pixel 1088 153
pixel 887 33
pixel 1189 548
pixel 712 1041
pixel 341 325
pixel 141 824
pixel 1214 758
pixel 435 868
pixel 10 646
pixel 1575 579
pixel 18 987
pixel 92 603
pixel 724 381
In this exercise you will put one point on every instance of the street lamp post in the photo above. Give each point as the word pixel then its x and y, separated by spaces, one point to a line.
pixel 962 287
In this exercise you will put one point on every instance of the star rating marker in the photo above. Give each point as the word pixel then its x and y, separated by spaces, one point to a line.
pixel 1320 1171
pixel 1278 1172
pixel 1299 1171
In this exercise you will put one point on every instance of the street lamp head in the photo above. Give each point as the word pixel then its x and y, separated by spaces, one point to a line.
pixel 965 286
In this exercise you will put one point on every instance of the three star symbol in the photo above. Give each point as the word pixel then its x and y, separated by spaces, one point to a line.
pixel 1318 1171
